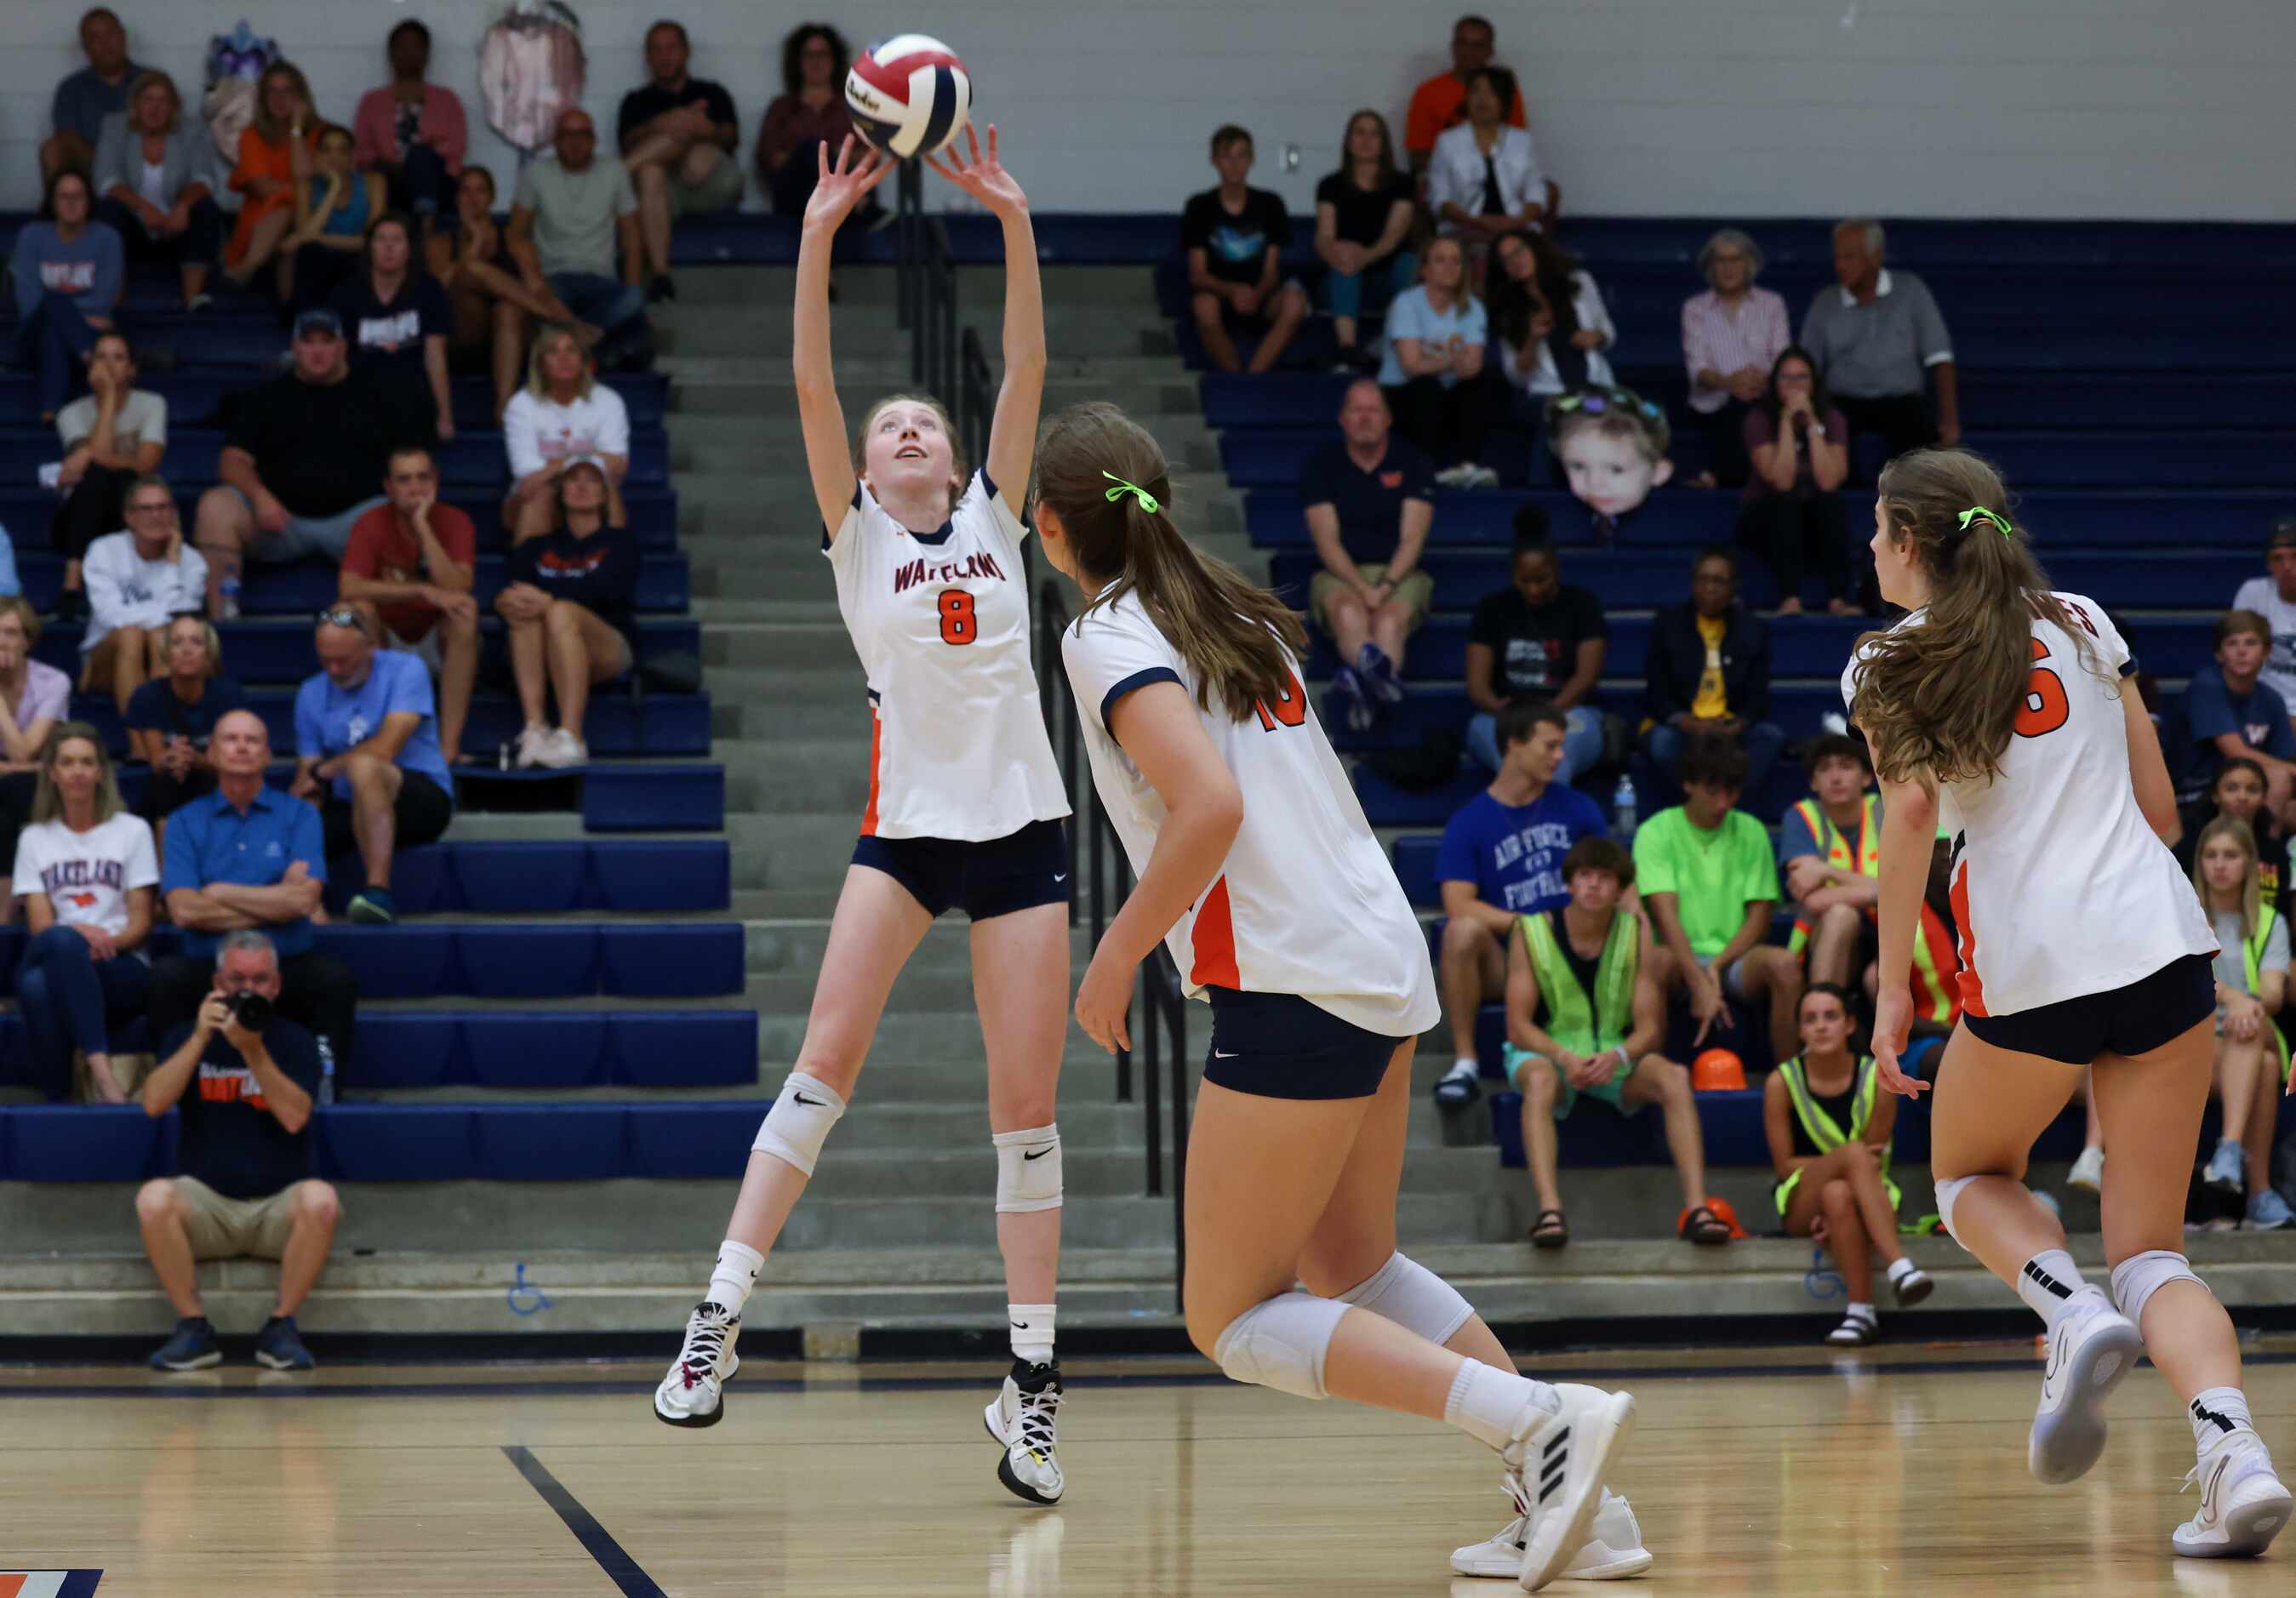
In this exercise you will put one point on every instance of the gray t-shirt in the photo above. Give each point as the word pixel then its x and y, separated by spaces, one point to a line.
pixel 574 214
pixel 142 419
pixel 2232 962
pixel 1880 350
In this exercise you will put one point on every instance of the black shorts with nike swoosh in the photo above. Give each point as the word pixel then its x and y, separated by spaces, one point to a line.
pixel 1278 1045
pixel 994 877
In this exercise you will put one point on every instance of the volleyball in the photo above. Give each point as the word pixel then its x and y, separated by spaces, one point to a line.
pixel 909 95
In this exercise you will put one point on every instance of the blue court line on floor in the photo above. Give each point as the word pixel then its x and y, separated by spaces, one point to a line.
pixel 617 1565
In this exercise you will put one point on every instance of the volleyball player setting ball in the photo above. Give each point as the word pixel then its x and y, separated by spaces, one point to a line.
pixel 2006 710
pixel 1257 870
pixel 964 808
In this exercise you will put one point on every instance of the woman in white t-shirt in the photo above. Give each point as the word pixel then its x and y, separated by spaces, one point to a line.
pixel 85 870
pixel 562 415
pixel 1433 374
pixel 2004 710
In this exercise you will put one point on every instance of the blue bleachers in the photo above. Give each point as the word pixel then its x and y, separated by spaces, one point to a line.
pixel 473 461
pixel 279 651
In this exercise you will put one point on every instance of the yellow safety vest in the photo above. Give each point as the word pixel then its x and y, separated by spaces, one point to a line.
pixel 1823 1129
pixel 1866 857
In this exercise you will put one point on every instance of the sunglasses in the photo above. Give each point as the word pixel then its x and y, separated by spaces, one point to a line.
pixel 342 616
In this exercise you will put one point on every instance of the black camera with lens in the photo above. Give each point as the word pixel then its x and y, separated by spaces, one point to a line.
pixel 250 1009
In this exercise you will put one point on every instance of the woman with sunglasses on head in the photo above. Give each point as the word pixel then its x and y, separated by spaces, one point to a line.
pixel 2003 708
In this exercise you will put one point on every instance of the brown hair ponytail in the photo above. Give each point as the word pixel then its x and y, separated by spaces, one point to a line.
pixel 1233 633
pixel 1939 700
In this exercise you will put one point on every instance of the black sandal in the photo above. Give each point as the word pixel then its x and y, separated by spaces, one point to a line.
pixel 1702 1226
pixel 1550 1231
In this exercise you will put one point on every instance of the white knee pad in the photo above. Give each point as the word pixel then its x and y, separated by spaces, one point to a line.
pixel 1028 1170
pixel 798 1123
pixel 2135 1279
pixel 1415 1298
pixel 1948 1192
pixel 1281 1343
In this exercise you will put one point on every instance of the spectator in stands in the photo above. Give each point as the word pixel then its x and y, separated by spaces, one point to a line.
pixel 1440 103
pixel 2252 971
pixel 2231 713
pixel 154 180
pixel 366 748
pixel 1363 213
pixel 571 603
pixel 1711 884
pixel 1537 641
pixel 571 221
pixel 111 435
pixel 300 461
pixel 1732 336
pixel 1483 180
pixel 68 270
pixel 35 697
pixel 247 856
pixel 2273 596
pixel 137 580
pixel 2238 794
pixel 1829 1133
pixel 1433 371
pixel 1583 1019
pixel 1799 446
pixel 562 414
pixel 1234 237
pixel 1878 339
pixel 1500 857
pixel 1709 673
pixel 86 97
pixel 245 1078
pixel 493 306
pixel 396 320
pixel 1830 848
pixel 275 159
pixel 1369 500
pixel 412 133
pixel 83 871
pixel 1551 327
pixel 412 561
pixel 334 203
pixel 810 116
pixel 678 134
pixel 171 719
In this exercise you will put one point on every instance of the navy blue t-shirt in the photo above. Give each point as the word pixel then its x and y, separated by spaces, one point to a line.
pixel 230 1139
pixel 1369 504
pixel 2212 709
pixel 154 708
pixel 1513 853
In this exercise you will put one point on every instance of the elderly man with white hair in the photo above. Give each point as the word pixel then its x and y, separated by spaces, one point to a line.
pixel 1878 342
pixel 1732 335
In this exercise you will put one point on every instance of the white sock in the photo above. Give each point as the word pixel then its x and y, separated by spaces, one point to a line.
pixel 1900 1268
pixel 2218 1411
pixel 1032 1331
pixel 2048 1284
pixel 1486 1402
pixel 1465 1065
pixel 738 1265
pixel 1865 1312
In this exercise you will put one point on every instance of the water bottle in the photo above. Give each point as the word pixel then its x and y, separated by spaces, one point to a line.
pixel 227 599
pixel 1622 808
pixel 326 1071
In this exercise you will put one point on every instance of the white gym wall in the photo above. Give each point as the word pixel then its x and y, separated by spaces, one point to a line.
pixel 1989 108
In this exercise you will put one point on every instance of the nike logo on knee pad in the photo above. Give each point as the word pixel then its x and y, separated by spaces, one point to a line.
pixel 1039 1154
pixel 816 1103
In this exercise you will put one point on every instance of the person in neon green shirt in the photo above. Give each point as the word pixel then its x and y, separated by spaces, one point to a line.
pixel 1711 884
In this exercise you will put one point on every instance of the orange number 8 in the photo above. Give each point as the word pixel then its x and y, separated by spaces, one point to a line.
pixel 2045 708
pixel 957 625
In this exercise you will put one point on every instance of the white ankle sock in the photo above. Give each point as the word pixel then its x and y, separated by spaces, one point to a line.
pixel 2218 1411
pixel 1864 1312
pixel 2048 1284
pixel 738 1265
pixel 1032 1331
pixel 1485 1402
pixel 1465 1065
pixel 1900 1268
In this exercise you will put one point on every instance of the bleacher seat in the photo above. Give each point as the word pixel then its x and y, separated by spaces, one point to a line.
pixel 538 1049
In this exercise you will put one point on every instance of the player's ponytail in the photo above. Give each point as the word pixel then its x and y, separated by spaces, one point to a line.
pixel 1107 480
pixel 1939 700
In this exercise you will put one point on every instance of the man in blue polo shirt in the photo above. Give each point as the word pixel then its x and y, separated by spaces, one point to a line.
pixel 1369 499
pixel 248 857
pixel 366 747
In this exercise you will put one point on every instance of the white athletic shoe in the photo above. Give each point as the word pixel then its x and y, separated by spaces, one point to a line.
pixel 1613 1548
pixel 2243 1503
pixel 1561 1460
pixel 2092 1348
pixel 2088 1171
pixel 1025 1420
pixel 2229 1167
pixel 691 1394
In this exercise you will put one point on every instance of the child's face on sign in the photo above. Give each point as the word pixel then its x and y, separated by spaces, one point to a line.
pixel 1608 473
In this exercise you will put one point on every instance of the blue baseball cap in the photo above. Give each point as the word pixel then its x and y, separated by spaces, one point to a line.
pixel 318 320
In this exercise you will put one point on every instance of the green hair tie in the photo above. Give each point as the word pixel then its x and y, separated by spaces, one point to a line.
pixel 1147 500
pixel 1979 513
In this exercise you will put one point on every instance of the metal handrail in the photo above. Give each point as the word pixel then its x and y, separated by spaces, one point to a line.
pixel 976 392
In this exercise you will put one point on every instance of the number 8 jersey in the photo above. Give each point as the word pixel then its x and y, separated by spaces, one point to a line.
pixel 941 620
pixel 2060 886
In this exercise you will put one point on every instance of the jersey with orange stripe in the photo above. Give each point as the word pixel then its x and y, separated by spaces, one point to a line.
pixel 940 622
pixel 2059 887
pixel 1305 902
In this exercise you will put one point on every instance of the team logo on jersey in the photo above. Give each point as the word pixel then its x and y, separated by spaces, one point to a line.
pixel 945 572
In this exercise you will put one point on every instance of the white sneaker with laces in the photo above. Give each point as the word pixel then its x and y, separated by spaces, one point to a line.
pixel 531 739
pixel 2092 1348
pixel 2088 1171
pixel 691 1394
pixel 1613 1551
pixel 562 749
pixel 2243 1504
pixel 1562 1459
pixel 1025 1420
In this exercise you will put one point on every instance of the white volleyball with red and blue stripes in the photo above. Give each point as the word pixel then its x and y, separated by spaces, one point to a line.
pixel 909 95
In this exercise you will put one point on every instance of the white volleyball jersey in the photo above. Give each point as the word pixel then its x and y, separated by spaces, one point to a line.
pixel 2059 887
pixel 940 622
pixel 1305 902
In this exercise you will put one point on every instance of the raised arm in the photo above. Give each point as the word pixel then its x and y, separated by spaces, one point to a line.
pixel 827 455
pixel 1012 432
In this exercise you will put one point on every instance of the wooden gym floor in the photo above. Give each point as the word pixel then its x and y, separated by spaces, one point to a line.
pixel 1771 1471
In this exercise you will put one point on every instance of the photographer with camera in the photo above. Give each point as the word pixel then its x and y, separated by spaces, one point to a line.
pixel 245 1080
